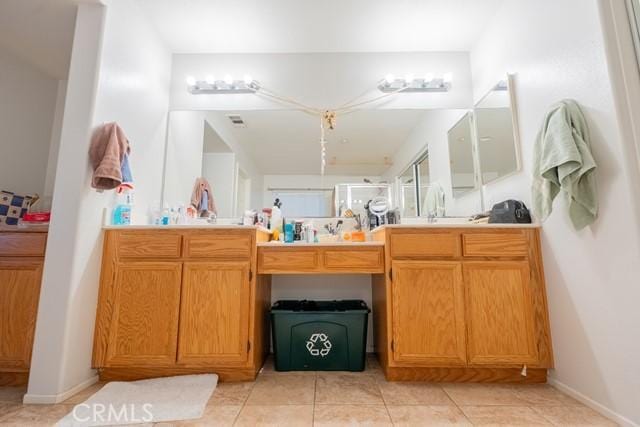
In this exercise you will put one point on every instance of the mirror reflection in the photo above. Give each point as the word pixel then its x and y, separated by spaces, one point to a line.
pixel 460 139
pixel 497 145
pixel 253 159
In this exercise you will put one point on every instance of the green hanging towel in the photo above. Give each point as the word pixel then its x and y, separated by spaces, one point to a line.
pixel 563 161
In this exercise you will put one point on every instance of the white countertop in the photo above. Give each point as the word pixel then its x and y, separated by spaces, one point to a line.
pixel 304 244
pixel 457 225
pixel 185 226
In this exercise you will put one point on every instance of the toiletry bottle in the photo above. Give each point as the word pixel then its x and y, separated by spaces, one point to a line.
pixel 288 233
pixel 276 218
pixel 122 211
pixel 165 216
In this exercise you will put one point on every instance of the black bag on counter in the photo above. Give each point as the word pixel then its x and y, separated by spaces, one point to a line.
pixel 510 212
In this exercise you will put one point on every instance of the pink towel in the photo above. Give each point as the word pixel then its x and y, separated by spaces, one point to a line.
pixel 106 153
pixel 201 185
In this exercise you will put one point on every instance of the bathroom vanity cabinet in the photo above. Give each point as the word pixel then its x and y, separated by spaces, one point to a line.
pixel 21 262
pixel 462 303
pixel 175 302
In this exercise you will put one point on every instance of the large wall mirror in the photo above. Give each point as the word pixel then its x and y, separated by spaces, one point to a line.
pixel 252 157
pixel 496 133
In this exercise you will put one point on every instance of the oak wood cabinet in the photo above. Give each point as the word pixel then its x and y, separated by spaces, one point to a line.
pixel 176 302
pixel 214 313
pixel 449 304
pixel 428 313
pixel 144 324
pixel 21 262
pixel 462 304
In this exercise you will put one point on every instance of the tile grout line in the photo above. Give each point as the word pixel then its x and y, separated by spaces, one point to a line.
pixel 244 403
pixel 384 401
pixel 458 407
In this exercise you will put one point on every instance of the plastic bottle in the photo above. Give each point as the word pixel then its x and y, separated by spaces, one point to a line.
pixel 288 233
pixel 276 219
pixel 122 211
pixel 164 219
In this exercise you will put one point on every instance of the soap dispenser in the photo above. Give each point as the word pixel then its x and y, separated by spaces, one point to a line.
pixel 122 211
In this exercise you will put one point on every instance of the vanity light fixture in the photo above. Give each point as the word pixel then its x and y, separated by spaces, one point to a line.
pixel 428 83
pixel 228 85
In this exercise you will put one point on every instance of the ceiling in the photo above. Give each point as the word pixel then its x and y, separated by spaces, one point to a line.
pixel 40 32
pixel 286 142
pixel 276 26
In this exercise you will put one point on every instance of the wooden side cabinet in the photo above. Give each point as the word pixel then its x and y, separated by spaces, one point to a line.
pixel 175 302
pixel 19 294
pixel 462 304
pixel 428 313
pixel 21 264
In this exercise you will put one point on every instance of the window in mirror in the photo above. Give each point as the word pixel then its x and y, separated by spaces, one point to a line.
pixel 407 184
pixel 460 139
pixel 355 197
pixel 497 145
pixel 423 181
pixel 298 204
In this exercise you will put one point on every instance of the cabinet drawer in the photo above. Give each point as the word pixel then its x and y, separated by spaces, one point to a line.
pixel 287 261
pixel 22 244
pixel 416 245
pixel 217 245
pixel 495 244
pixel 155 244
pixel 369 260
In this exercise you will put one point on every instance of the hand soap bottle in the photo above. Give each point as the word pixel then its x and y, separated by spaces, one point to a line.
pixel 122 211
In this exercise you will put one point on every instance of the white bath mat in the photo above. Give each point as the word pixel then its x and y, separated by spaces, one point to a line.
pixel 146 401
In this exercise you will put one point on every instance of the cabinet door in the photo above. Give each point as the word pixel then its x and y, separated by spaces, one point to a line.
pixel 144 324
pixel 500 319
pixel 19 294
pixel 428 313
pixel 214 313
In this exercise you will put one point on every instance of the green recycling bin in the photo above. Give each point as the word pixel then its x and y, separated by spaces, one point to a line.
pixel 319 335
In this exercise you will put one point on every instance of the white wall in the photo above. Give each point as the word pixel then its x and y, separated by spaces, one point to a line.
pixel 27 109
pixel 431 132
pixel 220 170
pixel 56 134
pixel 243 158
pixel 183 162
pixel 593 276
pixel 119 72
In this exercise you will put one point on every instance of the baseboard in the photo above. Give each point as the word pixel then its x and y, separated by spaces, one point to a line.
pixel 603 410
pixel 50 399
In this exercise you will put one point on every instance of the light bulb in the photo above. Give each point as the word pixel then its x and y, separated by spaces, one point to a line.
pixel 191 81
pixel 228 79
pixel 447 78
pixel 389 78
pixel 211 80
pixel 408 78
pixel 248 79
pixel 428 78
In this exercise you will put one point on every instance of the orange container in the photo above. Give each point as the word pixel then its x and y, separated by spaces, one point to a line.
pixel 357 236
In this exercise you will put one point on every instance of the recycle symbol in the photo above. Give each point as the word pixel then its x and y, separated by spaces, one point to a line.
pixel 322 339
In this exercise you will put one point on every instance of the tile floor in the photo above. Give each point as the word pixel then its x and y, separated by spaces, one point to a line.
pixel 341 399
